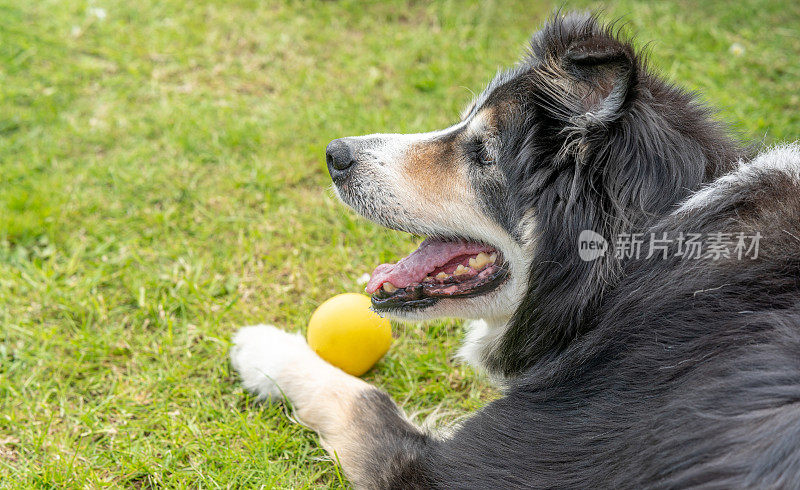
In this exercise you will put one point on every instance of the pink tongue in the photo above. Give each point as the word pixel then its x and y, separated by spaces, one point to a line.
pixel 432 253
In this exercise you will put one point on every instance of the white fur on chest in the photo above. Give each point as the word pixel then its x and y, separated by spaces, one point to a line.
pixel 481 338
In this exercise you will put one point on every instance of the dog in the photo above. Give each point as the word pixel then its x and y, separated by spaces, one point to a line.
pixel 670 368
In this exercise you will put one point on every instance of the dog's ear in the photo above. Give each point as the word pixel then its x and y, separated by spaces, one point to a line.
pixel 603 73
pixel 583 74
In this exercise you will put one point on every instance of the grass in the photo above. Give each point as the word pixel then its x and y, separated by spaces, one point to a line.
pixel 162 183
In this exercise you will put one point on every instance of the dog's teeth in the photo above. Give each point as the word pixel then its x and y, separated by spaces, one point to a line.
pixel 442 276
pixel 480 261
pixel 428 279
pixel 389 287
pixel 460 270
pixel 493 258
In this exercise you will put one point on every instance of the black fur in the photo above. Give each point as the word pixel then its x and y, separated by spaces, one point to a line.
pixel 655 145
pixel 625 373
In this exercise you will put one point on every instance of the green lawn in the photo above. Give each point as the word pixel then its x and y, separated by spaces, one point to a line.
pixel 162 182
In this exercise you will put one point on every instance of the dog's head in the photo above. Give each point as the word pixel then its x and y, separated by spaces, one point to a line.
pixel 578 136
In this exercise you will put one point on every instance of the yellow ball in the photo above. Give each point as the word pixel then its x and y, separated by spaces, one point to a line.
pixel 346 333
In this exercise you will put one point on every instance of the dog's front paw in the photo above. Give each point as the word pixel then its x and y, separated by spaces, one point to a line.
pixel 263 355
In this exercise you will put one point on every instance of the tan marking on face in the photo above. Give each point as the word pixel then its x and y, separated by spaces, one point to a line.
pixel 437 169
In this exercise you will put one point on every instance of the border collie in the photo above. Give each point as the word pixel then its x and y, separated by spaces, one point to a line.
pixel 632 273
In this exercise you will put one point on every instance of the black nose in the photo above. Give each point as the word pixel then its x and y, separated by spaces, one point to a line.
pixel 340 156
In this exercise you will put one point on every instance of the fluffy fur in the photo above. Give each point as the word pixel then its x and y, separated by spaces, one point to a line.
pixel 621 372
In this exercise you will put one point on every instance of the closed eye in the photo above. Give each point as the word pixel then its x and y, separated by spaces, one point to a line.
pixel 479 153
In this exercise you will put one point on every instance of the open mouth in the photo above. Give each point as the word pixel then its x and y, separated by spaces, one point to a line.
pixel 438 268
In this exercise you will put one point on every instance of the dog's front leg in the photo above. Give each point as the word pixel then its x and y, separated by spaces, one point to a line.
pixel 360 426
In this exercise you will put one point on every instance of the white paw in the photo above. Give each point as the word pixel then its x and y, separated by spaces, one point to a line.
pixel 264 355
